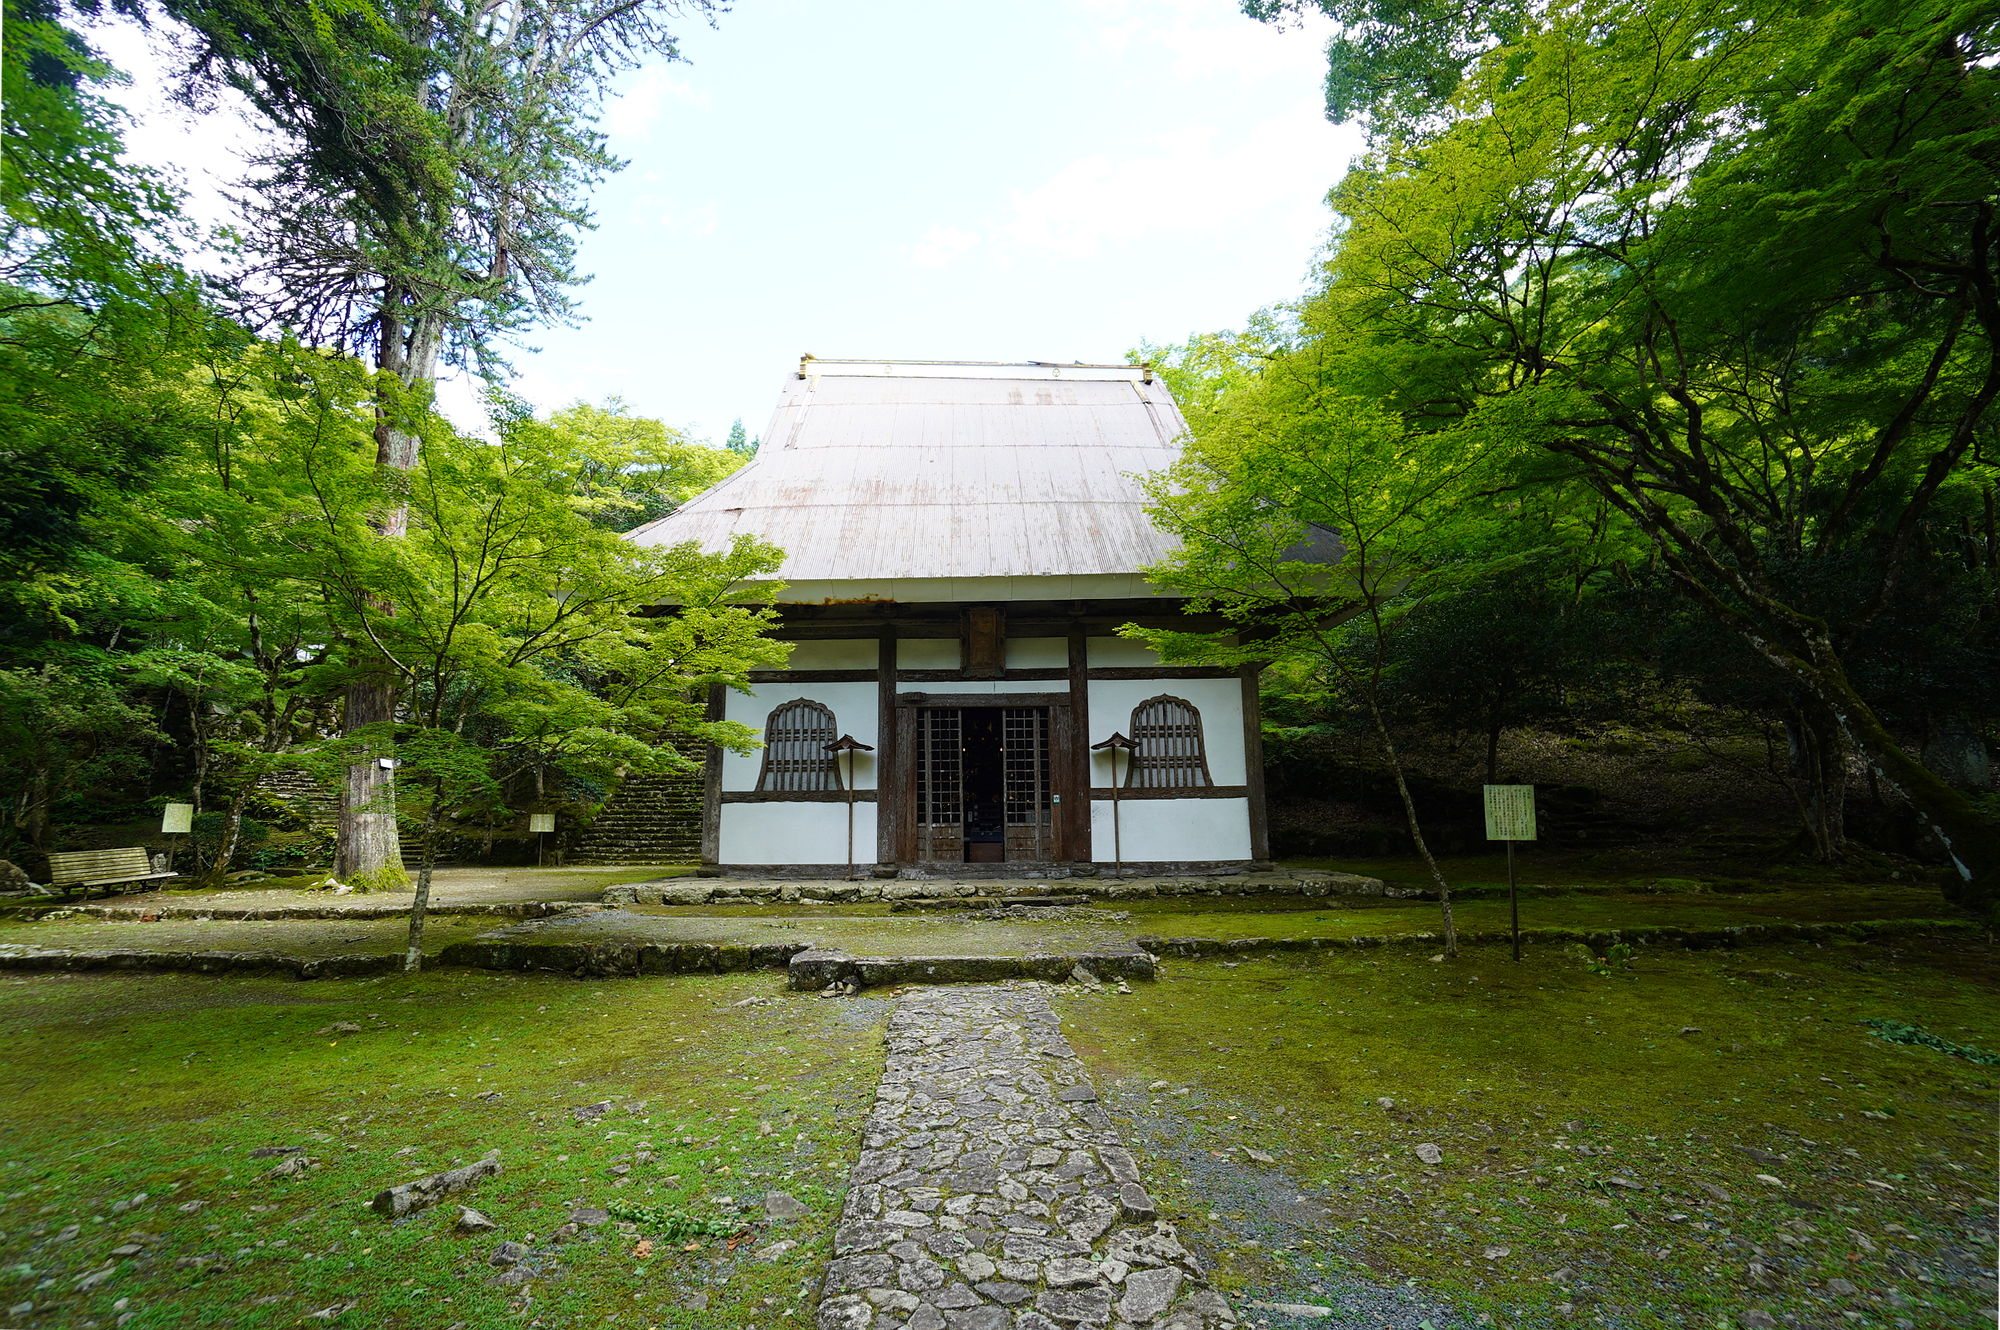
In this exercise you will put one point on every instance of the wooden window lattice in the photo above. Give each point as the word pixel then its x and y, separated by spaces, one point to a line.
pixel 1169 755
pixel 795 755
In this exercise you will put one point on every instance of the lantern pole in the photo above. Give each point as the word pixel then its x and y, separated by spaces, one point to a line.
pixel 850 745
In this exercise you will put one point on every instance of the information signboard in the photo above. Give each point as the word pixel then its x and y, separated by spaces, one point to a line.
pixel 1510 812
pixel 177 817
pixel 541 821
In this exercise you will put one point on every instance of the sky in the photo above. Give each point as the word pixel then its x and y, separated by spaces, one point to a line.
pixel 906 179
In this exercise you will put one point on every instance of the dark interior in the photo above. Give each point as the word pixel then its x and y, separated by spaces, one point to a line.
pixel 985 786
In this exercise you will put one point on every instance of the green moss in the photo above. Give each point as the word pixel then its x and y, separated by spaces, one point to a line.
pixel 290 937
pixel 1544 1085
pixel 389 877
pixel 163 1084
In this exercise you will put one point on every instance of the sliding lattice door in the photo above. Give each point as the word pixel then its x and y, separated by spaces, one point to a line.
pixel 1024 756
pixel 940 785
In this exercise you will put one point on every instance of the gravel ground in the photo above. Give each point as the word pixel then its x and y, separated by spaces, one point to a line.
pixel 1249 1202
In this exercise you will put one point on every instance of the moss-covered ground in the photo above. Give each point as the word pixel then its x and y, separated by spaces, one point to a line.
pixel 1681 1144
pixel 875 930
pixel 289 937
pixel 128 1195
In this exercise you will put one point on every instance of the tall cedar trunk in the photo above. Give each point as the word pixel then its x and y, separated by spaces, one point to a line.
pixel 1493 751
pixel 413 954
pixel 368 842
pixel 369 848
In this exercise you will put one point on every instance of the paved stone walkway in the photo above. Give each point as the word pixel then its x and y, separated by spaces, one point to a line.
pixel 992 1192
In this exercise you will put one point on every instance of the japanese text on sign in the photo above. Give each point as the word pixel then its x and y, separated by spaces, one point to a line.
pixel 1510 812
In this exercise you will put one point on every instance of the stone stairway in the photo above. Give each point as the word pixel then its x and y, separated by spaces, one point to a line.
pixel 649 820
pixel 318 804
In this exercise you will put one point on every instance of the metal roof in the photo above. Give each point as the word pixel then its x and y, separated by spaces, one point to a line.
pixel 925 480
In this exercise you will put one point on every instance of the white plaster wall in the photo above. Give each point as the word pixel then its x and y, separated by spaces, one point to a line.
pixel 794 833
pixel 835 655
pixel 1119 653
pixel 854 712
pixel 1153 830
pixel 1220 702
pixel 1037 653
pixel 927 653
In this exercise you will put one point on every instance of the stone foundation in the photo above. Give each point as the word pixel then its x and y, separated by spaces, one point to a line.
pixel 711 891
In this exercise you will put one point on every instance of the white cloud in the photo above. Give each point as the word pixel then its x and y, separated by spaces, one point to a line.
pixel 1206 38
pixel 1266 186
pixel 942 245
pixel 204 155
pixel 634 110
pixel 703 220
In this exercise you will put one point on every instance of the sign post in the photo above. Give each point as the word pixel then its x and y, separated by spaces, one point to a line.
pixel 541 824
pixel 175 818
pixel 1510 816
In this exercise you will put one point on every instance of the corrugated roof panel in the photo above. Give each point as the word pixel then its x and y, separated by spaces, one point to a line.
pixel 869 474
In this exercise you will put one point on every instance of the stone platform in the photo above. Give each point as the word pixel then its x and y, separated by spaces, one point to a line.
pixel 938 890
pixel 993 1193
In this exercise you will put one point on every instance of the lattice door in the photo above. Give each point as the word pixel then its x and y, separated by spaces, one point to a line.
pixel 940 785
pixel 1024 755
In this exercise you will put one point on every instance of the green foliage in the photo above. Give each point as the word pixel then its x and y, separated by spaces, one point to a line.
pixel 671 1225
pixel 1694 287
pixel 1896 1032
pixel 1395 61
pixel 739 442
pixel 432 161
pixel 640 469
pixel 1615 961
pixel 210 828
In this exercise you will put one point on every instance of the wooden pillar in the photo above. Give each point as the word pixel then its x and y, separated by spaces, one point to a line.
pixel 893 777
pixel 1075 753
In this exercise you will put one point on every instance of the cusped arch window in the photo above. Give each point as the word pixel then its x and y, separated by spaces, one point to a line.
pixel 796 758
pixel 1168 753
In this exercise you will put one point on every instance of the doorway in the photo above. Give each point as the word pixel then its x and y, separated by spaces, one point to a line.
pixel 984 793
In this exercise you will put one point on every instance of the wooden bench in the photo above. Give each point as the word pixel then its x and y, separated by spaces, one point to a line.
pixel 101 868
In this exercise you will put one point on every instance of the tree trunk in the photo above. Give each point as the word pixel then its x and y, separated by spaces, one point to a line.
pixel 1970 841
pixel 232 832
pixel 413 953
pixel 369 852
pixel 1493 752
pixel 36 813
pixel 1395 762
pixel 1819 779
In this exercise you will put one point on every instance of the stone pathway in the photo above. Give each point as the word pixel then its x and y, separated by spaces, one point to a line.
pixel 992 1192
